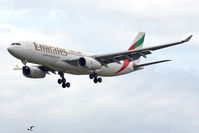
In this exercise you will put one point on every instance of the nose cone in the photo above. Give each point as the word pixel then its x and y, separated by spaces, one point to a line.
pixel 10 50
pixel 15 50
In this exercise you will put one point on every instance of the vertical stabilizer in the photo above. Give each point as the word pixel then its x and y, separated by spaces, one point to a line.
pixel 137 44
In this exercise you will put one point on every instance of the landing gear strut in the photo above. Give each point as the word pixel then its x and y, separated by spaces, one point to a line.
pixel 62 80
pixel 95 77
pixel 24 62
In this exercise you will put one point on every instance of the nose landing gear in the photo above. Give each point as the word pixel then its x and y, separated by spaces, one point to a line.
pixel 24 62
pixel 62 80
pixel 95 77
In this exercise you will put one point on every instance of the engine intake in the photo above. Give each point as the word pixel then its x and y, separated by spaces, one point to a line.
pixel 33 72
pixel 89 63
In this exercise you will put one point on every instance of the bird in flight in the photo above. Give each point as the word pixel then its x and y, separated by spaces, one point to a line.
pixel 31 128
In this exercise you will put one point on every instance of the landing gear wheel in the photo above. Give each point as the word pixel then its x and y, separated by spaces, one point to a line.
pixel 68 84
pixel 62 80
pixel 91 76
pixel 63 85
pixel 59 81
pixel 99 80
pixel 95 80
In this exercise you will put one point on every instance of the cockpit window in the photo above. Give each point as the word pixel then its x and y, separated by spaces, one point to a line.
pixel 16 44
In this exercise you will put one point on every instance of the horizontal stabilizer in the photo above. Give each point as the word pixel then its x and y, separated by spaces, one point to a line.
pixel 150 63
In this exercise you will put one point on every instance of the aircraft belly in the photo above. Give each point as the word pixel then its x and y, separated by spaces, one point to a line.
pixel 112 69
pixel 71 69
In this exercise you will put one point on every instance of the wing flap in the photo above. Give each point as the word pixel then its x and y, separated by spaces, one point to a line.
pixel 118 58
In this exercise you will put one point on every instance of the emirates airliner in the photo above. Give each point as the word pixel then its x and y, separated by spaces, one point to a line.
pixel 60 60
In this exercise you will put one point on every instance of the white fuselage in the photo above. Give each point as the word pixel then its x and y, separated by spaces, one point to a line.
pixel 55 58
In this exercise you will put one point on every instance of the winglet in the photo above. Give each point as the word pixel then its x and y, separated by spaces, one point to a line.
pixel 188 38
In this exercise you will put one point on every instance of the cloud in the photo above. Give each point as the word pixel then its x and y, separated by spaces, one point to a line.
pixel 163 8
pixel 123 106
pixel 160 98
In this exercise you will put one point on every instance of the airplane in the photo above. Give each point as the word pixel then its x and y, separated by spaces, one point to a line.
pixel 60 60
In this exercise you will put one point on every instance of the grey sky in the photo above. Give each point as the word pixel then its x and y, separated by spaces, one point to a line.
pixel 160 98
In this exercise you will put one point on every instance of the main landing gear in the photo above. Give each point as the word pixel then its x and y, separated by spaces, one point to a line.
pixel 95 77
pixel 62 80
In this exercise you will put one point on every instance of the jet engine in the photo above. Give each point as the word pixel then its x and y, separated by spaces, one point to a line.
pixel 33 72
pixel 89 63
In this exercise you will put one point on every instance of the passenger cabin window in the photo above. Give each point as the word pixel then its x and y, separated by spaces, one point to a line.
pixel 16 44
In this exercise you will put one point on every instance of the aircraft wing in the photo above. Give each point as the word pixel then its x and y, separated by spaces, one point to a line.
pixel 133 54
pixel 47 69
pixel 43 68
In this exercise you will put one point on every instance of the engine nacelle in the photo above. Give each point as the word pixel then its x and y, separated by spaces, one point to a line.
pixel 89 63
pixel 33 72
